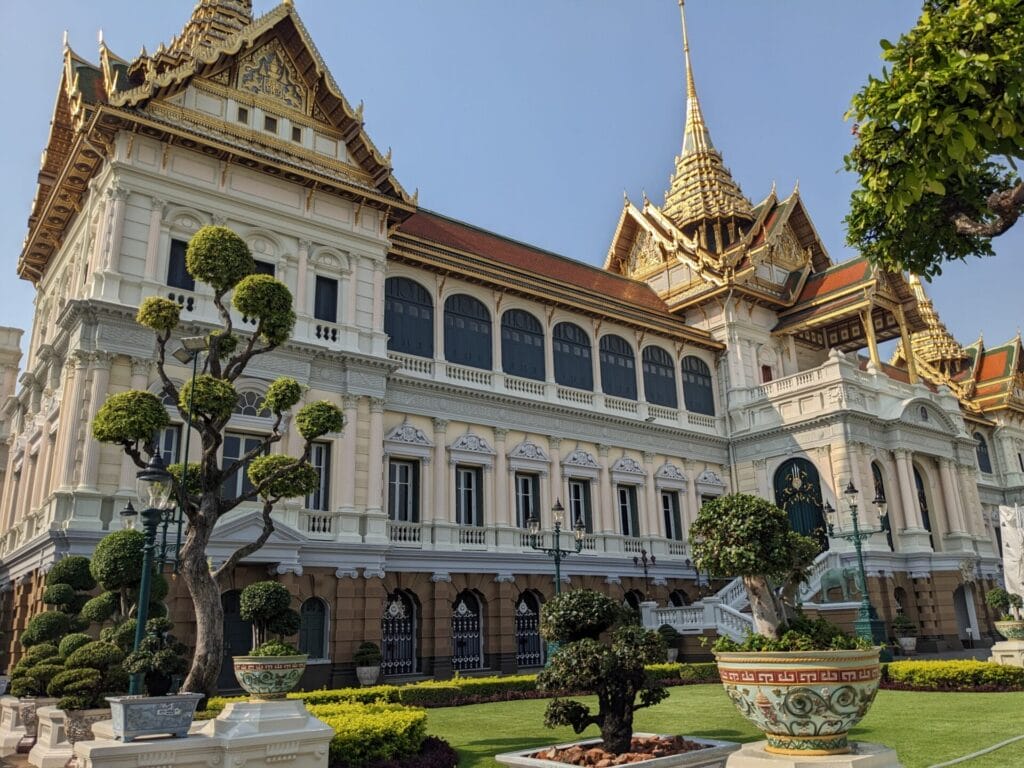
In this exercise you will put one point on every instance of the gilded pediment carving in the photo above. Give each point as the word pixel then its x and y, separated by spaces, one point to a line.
pixel 268 71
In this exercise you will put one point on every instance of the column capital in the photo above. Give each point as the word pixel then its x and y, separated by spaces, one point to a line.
pixel 349 402
pixel 554 442
pixel 901 453
pixel 376 405
pixel 157 204
pixel 140 366
pixel 500 434
pixel 649 457
pixel 118 192
pixel 602 450
pixel 101 360
pixel 440 426
pixel 305 245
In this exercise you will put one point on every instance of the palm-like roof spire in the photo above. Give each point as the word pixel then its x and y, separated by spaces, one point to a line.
pixel 211 22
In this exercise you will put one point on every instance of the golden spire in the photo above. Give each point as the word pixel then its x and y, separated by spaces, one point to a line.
pixel 934 345
pixel 211 22
pixel 701 187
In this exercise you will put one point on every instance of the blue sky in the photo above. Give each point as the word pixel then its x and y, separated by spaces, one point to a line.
pixel 530 118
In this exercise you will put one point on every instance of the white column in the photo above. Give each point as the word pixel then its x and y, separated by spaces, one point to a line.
pixel 651 497
pixel 549 353
pixel 606 509
pixel 303 279
pixel 692 506
pixel 556 492
pixel 638 370
pixel 379 270
pixel 680 401
pixel 911 510
pixel 595 356
pixel 954 517
pixel 502 510
pixel 120 197
pixel 439 318
pixel 156 216
pixel 101 361
pixel 344 462
pixel 68 435
pixel 441 510
pixel 375 458
pixel 139 382
pixel 352 290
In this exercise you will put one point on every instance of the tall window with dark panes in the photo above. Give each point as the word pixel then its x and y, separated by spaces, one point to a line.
pixel 670 514
pixel 659 377
pixel 527 498
pixel 629 516
pixel 408 317
pixel 570 347
pixel 320 459
pixel 177 273
pixel 618 369
pixel 404 490
pixel 168 441
pixel 579 504
pixel 264 268
pixel 468 496
pixel 522 345
pixel 237 445
pixel 325 299
pixel 467 332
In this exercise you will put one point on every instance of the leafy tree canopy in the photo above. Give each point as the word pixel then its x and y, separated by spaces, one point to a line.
pixel 128 417
pixel 939 135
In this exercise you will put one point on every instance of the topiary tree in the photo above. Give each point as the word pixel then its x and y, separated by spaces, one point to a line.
pixel 267 604
pixel 116 566
pixel 89 673
pixel 613 670
pixel 160 657
pixel 747 536
pixel 220 258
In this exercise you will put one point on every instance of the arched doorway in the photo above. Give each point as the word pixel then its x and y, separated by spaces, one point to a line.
pixel 398 628
pixel 529 647
pixel 922 501
pixel 467 633
pixel 798 492
pixel 237 638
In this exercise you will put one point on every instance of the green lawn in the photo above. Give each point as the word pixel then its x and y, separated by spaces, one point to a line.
pixel 924 728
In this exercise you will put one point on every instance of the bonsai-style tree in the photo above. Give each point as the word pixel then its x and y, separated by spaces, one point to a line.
pixel 267 604
pixel 160 657
pixel 940 136
pixel 367 655
pixel 1001 601
pixel 747 536
pixel 116 565
pixel 219 257
pixel 902 626
pixel 613 670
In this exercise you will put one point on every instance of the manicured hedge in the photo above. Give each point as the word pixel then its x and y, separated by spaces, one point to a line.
pixel 679 673
pixel 366 733
pixel 966 675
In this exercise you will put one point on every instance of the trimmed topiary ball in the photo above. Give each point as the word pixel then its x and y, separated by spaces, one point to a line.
pixel 95 655
pixel 317 419
pixel 117 561
pixel 73 571
pixel 158 314
pixel 269 300
pixel 129 417
pixel 264 600
pixel 581 613
pixel 72 643
pixel 211 396
pixel 298 478
pixel 282 394
pixel 58 594
pixel 219 257
pixel 101 608
pixel 47 627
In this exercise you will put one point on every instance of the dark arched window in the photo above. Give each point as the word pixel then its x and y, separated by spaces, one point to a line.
pixel 399 632
pixel 876 476
pixel 659 377
pixel 571 348
pixel 922 502
pixel 467 332
pixel 522 345
pixel 618 367
pixel 981 448
pixel 697 388
pixel 467 632
pixel 798 492
pixel 313 628
pixel 408 317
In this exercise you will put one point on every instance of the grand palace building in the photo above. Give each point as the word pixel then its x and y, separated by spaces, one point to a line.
pixel 718 349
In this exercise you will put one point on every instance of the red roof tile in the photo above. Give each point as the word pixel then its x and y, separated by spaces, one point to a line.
pixel 840 276
pixel 993 365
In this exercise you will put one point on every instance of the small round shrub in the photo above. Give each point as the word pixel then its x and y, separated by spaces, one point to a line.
pixel 282 394
pixel 367 655
pixel 219 257
pixel 101 608
pixel 73 571
pixel 263 600
pixel 158 314
pixel 80 687
pixel 297 478
pixel 211 396
pixel 122 635
pixel 275 648
pixel 40 652
pixel 58 594
pixel 47 627
pixel 72 643
pixel 95 655
pixel 193 478
pixel 117 560
pixel 269 300
pixel 318 418
pixel 128 417
pixel 578 614
pixel 45 672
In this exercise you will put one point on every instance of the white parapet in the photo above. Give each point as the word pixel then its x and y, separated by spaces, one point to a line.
pixel 256 734
pixel 12 729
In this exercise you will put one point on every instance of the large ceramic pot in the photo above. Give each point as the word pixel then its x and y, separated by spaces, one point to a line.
pixel 805 702
pixel 134 716
pixel 1011 630
pixel 268 677
pixel 908 645
pixel 368 675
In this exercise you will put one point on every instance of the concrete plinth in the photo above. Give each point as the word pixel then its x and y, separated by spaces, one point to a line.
pixel 1009 653
pixel 257 735
pixel 52 748
pixel 12 729
pixel 864 755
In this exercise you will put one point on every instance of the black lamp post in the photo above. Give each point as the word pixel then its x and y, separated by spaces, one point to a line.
pixel 155 492
pixel 867 625
pixel 556 552
pixel 644 561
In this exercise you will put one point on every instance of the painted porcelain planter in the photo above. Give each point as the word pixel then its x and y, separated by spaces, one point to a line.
pixel 268 677
pixel 133 716
pixel 805 702
pixel 367 675
pixel 1011 630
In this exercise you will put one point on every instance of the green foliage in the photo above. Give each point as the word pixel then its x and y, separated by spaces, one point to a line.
pixel 799 634
pixel 159 653
pixel 101 608
pixel 128 417
pixel 744 535
pixel 366 733
pixel 117 561
pixel 77 688
pixel 219 257
pixel 158 314
pixel 275 648
pixel 282 394
pixel 30 676
pixel 367 655
pixel 902 626
pixel 937 135
pixel 266 605
pixel 296 478
pixel 73 571
pixel 961 675
pixel 269 301
pixel 71 643
pixel 58 595
pixel 193 479
pixel 211 397
pixel 700 672
pixel 669 634
pixel 38 653
pixel 577 614
pixel 48 627
pixel 98 654
pixel 317 419
pixel 998 600
pixel 223 342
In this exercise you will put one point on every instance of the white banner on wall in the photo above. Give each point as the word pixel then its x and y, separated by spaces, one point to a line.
pixel 1011 523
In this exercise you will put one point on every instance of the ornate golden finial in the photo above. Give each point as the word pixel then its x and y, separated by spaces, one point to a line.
pixel 416 196
pixel 387 158
pixel 212 22
pixel 934 345
pixel 625 198
pixel 359 111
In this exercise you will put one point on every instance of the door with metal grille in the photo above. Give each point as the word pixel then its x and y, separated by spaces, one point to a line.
pixel 467 633
pixel 529 648
pixel 398 635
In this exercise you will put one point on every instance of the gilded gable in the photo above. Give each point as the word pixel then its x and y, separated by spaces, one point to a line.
pixel 784 250
pixel 268 71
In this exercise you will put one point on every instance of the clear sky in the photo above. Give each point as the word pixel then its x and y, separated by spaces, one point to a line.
pixel 530 118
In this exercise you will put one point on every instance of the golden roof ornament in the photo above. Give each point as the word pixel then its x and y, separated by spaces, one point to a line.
pixel 211 22
pixel 701 187
pixel 934 345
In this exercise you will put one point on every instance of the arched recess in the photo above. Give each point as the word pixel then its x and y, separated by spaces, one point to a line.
pixel 798 492
pixel 632 599
pixel 698 387
pixel 399 632
pixel 659 377
pixel 922 502
pixel 529 645
pixel 618 367
pixel 467 332
pixel 981 449
pixel 878 479
pixel 467 631
pixel 408 317
pixel 313 628
pixel 522 345
pixel 237 638
pixel 572 356
pixel 677 598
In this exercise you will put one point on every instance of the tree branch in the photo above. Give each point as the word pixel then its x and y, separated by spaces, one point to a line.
pixel 1006 204
pixel 247 549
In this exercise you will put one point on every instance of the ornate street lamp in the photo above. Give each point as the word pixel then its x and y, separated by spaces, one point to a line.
pixel 556 552
pixel 154 487
pixel 867 625
pixel 644 561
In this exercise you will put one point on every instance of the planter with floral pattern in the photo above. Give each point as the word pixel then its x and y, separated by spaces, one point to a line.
pixel 268 677
pixel 1011 630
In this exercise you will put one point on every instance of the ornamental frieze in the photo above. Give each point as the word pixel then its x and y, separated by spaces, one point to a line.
pixel 268 71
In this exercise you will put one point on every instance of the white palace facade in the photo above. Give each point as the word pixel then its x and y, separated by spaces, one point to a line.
pixel 717 349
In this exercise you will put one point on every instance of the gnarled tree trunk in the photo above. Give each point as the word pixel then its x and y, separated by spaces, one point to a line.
pixel 764 606
pixel 205 592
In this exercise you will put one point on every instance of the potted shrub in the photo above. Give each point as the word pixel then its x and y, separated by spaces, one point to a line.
pixel 1007 606
pixel 273 667
pixel 367 660
pixel 804 684
pixel 671 637
pixel 906 633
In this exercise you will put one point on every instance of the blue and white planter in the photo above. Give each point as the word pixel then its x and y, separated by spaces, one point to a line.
pixel 134 716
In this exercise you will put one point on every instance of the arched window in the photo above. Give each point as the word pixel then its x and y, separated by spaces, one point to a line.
pixel 632 600
pixel 678 598
pixel 981 448
pixel 467 632
pixel 659 377
pixel 529 648
pixel 618 367
pixel 467 332
pixel 571 348
pixel 237 638
pixel 313 628
pixel 522 345
pixel 876 476
pixel 251 404
pixel 697 386
pixel 408 317
pixel 398 631
pixel 922 502
pixel 798 492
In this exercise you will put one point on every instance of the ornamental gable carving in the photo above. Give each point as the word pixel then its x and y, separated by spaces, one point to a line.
pixel 528 450
pixel 707 477
pixel 268 71
pixel 407 433
pixel 472 443
pixel 628 466
pixel 670 472
pixel 580 458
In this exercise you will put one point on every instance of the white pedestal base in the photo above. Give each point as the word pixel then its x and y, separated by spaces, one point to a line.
pixel 11 728
pixel 865 755
pixel 1008 652
pixel 52 749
